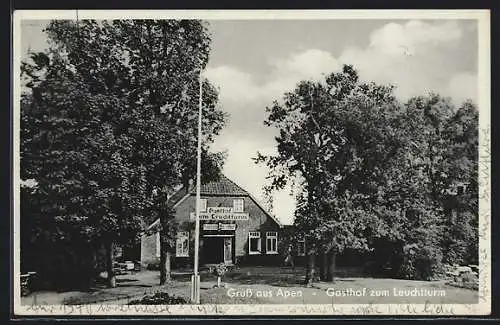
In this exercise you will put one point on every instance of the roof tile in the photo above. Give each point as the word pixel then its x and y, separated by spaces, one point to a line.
pixel 222 186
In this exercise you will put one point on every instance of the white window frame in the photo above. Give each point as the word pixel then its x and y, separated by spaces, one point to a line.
pixel 158 244
pixel 253 235
pixel 180 236
pixel 270 237
pixel 203 205
pixel 236 207
pixel 301 241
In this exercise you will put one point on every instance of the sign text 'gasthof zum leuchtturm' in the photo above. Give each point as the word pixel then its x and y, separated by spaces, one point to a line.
pixel 220 213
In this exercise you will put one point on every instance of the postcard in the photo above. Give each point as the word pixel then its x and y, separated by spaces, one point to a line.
pixel 256 162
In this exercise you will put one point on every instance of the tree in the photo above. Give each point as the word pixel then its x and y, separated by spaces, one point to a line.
pixel 372 172
pixel 463 155
pixel 68 145
pixel 446 138
pixel 173 53
pixel 135 87
pixel 417 199
pixel 336 137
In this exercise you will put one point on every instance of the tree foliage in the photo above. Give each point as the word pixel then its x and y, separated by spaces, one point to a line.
pixel 109 128
pixel 371 170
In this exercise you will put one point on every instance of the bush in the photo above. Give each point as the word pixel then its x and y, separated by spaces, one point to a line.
pixel 159 298
pixel 421 263
pixel 456 252
pixel 220 269
pixel 460 241
pixel 468 277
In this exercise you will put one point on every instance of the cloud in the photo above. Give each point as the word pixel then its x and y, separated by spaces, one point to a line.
pixel 241 87
pixel 308 64
pixel 396 39
pixel 414 56
pixel 242 169
pixel 236 85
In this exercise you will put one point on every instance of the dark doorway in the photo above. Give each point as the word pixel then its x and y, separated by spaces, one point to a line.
pixel 218 250
pixel 213 250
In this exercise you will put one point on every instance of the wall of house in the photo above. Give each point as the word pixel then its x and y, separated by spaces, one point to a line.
pixel 258 221
pixel 149 250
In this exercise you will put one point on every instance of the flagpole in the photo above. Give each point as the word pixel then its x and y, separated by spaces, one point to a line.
pixel 195 293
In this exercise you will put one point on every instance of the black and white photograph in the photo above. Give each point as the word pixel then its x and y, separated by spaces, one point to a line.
pixel 251 162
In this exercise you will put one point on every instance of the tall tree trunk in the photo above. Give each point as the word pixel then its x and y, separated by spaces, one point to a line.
pixel 332 261
pixel 310 270
pixel 91 267
pixel 165 270
pixel 323 267
pixel 168 267
pixel 109 265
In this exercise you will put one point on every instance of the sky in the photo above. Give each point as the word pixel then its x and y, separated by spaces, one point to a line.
pixel 254 62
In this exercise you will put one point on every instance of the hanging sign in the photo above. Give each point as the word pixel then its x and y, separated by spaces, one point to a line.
pixel 227 226
pixel 220 216
pixel 219 226
pixel 211 226
pixel 219 210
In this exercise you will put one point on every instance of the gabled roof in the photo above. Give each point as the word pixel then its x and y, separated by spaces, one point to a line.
pixel 223 187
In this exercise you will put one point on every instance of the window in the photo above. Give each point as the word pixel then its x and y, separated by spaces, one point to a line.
pixel 271 242
pixel 301 246
pixel 238 205
pixel 254 242
pixel 203 205
pixel 158 245
pixel 182 246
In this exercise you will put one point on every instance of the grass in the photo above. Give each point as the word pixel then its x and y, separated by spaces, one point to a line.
pixel 261 285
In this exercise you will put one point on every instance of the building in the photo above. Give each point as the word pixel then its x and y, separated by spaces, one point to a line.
pixel 234 228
